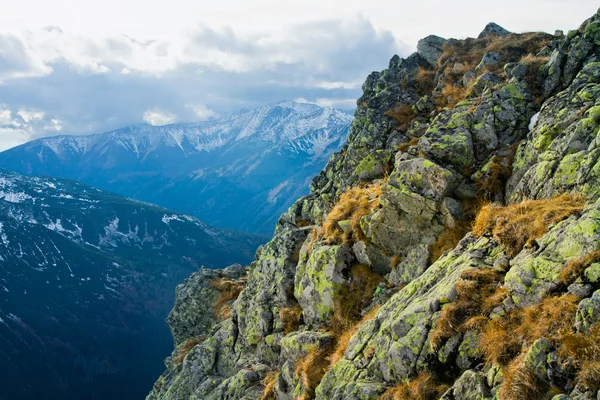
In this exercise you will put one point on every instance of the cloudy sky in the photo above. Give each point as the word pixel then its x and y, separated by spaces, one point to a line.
pixel 81 66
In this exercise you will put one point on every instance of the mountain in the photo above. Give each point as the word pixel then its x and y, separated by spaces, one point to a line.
pixel 87 279
pixel 237 171
pixel 450 251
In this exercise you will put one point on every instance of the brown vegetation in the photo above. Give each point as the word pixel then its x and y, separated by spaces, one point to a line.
pixel 424 80
pixel 574 268
pixel 344 338
pixel 504 338
pixel 228 290
pixel 291 318
pixel 451 95
pixel 185 348
pixel 519 224
pixel 477 294
pixel 352 205
pixel 350 302
pixel 449 239
pixel 424 387
pixel 269 386
pixel 511 47
pixel 402 114
pixel 405 145
pixel 583 349
pixel 311 369
pixel 495 174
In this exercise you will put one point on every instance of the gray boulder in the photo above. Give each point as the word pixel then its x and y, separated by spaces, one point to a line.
pixel 493 29
pixel 430 48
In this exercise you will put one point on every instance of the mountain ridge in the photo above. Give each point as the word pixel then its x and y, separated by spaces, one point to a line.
pixel 197 168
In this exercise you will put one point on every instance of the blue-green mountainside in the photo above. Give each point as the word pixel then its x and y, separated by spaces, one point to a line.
pixel 392 278
pixel 235 171
pixel 87 279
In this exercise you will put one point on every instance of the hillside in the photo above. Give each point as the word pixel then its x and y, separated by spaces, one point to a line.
pixel 87 279
pixel 235 171
pixel 450 250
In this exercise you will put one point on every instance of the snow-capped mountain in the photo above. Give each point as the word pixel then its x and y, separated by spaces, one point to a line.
pixel 235 171
pixel 86 280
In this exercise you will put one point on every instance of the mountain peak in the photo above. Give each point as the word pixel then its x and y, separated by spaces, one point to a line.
pixel 493 29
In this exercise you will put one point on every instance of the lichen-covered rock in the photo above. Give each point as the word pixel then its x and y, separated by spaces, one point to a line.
pixel 320 277
pixel 535 271
pixel 430 48
pixel 442 158
pixel 399 332
pixel 470 386
pixel 425 178
pixel 192 315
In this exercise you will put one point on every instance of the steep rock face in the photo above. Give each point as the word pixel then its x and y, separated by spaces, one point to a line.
pixel 432 143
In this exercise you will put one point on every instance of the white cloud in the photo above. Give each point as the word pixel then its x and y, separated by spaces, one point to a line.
pixel 158 118
pixel 23 125
pixel 31 115
pixel 11 137
pixel 336 103
pixel 201 111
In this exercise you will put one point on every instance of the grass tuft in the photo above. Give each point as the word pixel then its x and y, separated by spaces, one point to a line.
pixel 291 318
pixel 574 268
pixel 185 348
pixel 228 290
pixel 269 386
pixel 352 205
pixel 424 387
pixel 519 224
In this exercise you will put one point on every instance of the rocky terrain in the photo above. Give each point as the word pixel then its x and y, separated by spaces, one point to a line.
pixel 450 250
pixel 86 280
pixel 234 171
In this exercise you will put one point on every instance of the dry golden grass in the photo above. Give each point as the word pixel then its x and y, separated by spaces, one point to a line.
pixel 574 268
pixel 477 294
pixel 520 383
pixel 344 338
pixel 511 47
pixel 451 95
pixel 186 347
pixel 229 290
pixel 311 369
pixel 350 302
pixel 269 386
pixel 405 145
pixel 503 338
pixel 497 172
pixel 395 261
pixel 402 114
pixel 291 318
pixel 424 81
pixel 352 205
pixel 519 224
pixel 583 350
pixel 449 239
pixel 424 387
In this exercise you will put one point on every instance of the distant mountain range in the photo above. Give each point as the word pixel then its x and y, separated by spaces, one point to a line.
pixel 237 171
pixel 86 280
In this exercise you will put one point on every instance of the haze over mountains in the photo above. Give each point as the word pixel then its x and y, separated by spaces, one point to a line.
pixel 86 280
pixel 239 170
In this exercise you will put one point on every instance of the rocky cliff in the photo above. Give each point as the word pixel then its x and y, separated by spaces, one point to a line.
pixel 450 250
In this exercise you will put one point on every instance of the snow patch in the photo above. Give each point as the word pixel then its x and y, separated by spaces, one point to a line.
pixel 272 197
pixel 534 120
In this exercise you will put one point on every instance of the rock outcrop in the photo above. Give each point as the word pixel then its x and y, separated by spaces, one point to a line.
pixel 503 118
